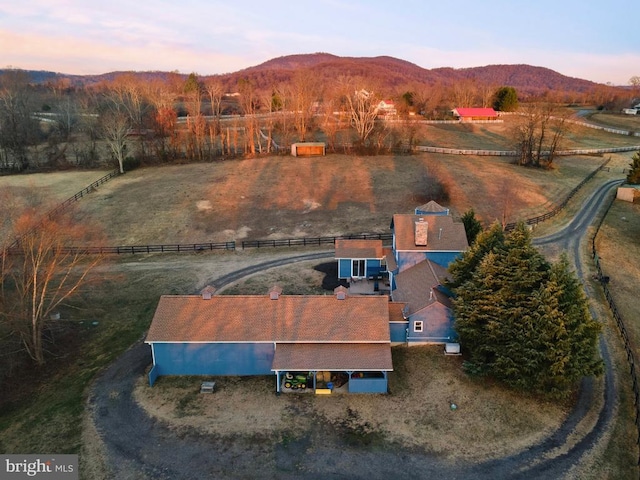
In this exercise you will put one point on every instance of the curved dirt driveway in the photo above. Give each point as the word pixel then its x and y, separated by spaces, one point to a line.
pixel 138 446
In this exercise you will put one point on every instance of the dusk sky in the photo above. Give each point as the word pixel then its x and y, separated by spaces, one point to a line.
pixel 594 40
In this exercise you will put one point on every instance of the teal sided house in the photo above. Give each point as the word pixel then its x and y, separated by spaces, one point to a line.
pixel 427 304
pixel 424 244
pixel 281 335
pixel 360 259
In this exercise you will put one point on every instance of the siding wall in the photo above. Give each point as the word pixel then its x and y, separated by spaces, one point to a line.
pixel 373 267
pixel 398 331
pixel 344 268
pixel 213 359
pixel 438 325
pixel 368 385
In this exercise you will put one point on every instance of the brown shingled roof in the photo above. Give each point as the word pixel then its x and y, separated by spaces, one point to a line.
pixel 396 311
pixel 359 249
pixel 332 356
pixel 443 233
pixel 416 287
pixel 253 318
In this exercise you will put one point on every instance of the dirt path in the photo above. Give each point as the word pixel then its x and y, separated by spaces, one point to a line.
pixel 139 447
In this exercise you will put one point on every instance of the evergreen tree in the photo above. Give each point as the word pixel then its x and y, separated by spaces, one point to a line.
pixel 506 99
pixel 524 321
pixel 462 268
pixel 472 225
pixel 634 175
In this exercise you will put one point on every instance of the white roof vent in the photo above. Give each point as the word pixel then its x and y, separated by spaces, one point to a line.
pixel 275 292
pixel 207 292
pixel 341 292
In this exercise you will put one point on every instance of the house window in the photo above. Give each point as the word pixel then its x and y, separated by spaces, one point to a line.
pixel 358 269
pixel 417 327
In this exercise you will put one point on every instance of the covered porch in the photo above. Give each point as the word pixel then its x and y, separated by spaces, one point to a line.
pixel 332 368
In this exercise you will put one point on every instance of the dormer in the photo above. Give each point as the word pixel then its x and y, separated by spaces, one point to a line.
pixel 420 232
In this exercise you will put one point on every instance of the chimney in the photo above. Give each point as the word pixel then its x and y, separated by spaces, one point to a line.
pixel 440 234
pixel 421 228
pixel 431 294
pixel 275 292
pixel 341 292
pixel 207 292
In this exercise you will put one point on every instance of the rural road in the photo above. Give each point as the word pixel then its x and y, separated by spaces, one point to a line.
pixel 139 447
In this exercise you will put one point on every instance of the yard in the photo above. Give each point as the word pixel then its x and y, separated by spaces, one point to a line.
pixel 487 422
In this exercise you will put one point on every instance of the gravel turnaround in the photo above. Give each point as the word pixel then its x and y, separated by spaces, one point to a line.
pixel 139 447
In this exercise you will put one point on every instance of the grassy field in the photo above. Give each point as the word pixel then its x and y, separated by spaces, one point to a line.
pixel 284 197
pixel 617 120
pixel 262 198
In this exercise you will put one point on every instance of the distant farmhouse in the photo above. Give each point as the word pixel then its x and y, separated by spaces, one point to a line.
pixel 322 343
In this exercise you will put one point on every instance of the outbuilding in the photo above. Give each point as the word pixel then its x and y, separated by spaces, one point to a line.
pixel 308 149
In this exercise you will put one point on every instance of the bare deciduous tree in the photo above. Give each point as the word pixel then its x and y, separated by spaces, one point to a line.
pixel 38 276
pixel 539 133
pixel 115 127
pixel 361 108
pixel 305 90
pixel 18 130
pixel 249 103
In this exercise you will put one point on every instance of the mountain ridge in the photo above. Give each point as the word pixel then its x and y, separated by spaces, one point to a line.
pixel 389 72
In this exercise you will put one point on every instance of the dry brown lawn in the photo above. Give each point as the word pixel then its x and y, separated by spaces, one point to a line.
pixel 621 121
pixel 283 197
pixel 618 245
pixel 42 190
pixel 489 421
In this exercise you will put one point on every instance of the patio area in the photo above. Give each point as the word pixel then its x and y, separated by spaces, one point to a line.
pixel 365 286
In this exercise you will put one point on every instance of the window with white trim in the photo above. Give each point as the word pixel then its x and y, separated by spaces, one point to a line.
pixel 418 326
pixel 358 268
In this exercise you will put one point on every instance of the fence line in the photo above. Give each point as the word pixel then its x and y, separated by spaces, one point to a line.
pixel 619 322
pixel 133 249
pixel 561 205
pixel 289 242
pixel 313 241
pixel 513 153
pixel 64 205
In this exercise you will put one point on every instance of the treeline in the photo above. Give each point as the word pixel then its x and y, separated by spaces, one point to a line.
pixel 133 118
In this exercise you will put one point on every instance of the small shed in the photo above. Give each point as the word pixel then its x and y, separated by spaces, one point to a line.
pixel 628 193
pixel 308 149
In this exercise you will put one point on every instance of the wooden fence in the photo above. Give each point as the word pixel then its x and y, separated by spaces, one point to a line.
pixel 314 241
pixel 61 208
pixel 561 205
pixel 132 249
pixel 513 153
pixel 620 323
